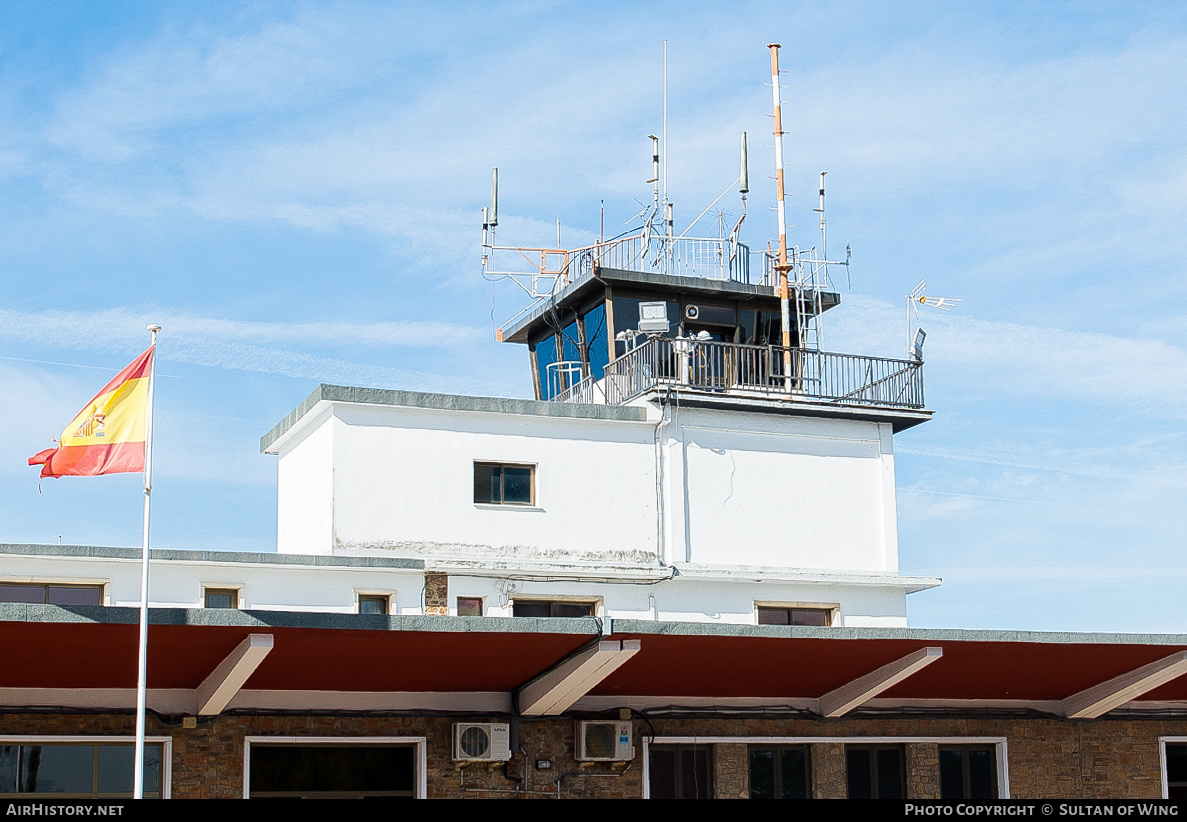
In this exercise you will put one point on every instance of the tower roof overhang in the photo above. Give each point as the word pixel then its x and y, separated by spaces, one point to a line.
pixel 586 287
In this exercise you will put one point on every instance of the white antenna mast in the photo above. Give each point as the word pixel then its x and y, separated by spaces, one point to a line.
pixel 781 265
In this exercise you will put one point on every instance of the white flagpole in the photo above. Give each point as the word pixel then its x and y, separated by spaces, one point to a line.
pixel 142 664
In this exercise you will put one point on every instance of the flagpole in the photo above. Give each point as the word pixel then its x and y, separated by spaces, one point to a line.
pixel 142 663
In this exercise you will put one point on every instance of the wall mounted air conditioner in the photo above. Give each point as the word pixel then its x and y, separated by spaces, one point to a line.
pixel 604 740
pixel 481 741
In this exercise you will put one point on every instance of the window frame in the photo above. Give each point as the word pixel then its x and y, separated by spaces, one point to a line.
pixel 385 599
pixel 502 502
pixel 594 603
pixel 101 587
pixel 778 777
pixel 235 592
pixel 964 749
pixel 832 611
pixel 481 605
pixel 166 743
pixel 689 745
pixel 1163 741
pixel 872 750
pixel 419 744
pixel 1000 743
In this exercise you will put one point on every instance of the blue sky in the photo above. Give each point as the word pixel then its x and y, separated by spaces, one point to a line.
pixel 293 192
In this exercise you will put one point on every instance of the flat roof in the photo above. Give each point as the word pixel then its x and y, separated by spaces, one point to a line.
pixel 173 555
pixel 443 402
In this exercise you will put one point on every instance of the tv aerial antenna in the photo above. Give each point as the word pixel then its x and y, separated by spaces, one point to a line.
pixel 915 335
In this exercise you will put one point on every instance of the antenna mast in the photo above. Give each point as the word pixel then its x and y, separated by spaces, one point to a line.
pixel 781 264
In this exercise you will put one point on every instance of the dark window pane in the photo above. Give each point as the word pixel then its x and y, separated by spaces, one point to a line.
pixel 517 485
pixel 981 774
pixel 762 774
pixel 469 606
pixel 859 772
pixel 663 773
pixel 951 774
pixel 373 605
pixel 595 339
pixel 522 608
pixel 74 595
pixel 486 483
pixel 694 776
pixel 1176 763
pixel 307 769
pixel 10 756
pixel 22 593
pixel 793 773
pixel 57 768
pixel 773 616
pixel 545 356
pixel 217 599
pixel 890 773
pixel 570 342
pixel 572 609
pixel 809 616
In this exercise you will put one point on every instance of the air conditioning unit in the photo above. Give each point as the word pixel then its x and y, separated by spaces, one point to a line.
pixel 604 740
pixel 481 741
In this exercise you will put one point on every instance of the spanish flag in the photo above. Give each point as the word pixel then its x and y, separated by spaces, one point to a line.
pixel 107 436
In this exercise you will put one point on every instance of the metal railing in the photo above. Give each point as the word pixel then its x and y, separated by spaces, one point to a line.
pixel 706 258
pixel 727 368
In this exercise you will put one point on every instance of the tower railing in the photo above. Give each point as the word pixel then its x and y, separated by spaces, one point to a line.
pixel 753 370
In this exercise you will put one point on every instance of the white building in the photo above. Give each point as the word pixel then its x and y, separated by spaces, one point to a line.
pixel 689 475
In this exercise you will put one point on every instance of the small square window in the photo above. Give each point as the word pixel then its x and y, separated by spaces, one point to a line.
pixel 469 606
pixel 809 616
pixel 498 484
pixel 374 604
pixel 222 598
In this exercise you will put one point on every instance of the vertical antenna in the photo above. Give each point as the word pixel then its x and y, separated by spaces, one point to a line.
pixel 781 265
pixel 493 215
pixel 823 231
pixel 558 232
pixel 744 177
pixel 665 132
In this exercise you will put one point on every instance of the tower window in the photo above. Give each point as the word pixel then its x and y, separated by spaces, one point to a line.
pixel 500 484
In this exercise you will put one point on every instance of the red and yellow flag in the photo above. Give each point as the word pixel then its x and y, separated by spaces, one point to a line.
pixel 107 436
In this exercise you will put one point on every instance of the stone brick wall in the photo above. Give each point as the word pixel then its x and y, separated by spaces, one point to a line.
pixel 731 772
pixel 1048 758
pixel 436 594
pixel 923 770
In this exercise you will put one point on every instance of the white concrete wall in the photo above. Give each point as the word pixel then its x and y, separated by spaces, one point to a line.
pixel 406 475
pixel 693 600
pixel 265 587
pixel 305 491
pixel 770 490
pixel 737 489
